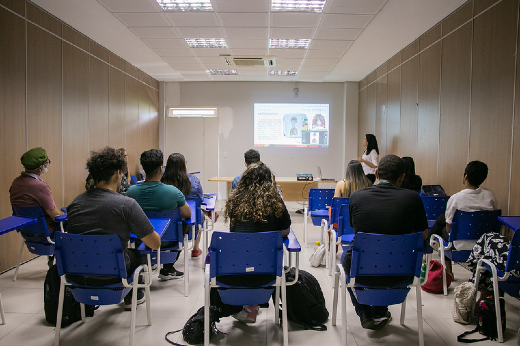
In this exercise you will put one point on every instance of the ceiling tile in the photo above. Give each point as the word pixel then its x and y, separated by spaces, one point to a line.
pixel 230 78
pixel 187 67
pixel 177 60
pixel 293 33
pixel 131 5
pixel 246 33
pixel 200 32
pixel 142 19
pixel 161 43
pixel 345 21
pixel 252 71
pixel 234 43
pixel 240 5
pixel 294 19
pixel 354 6
pixel 155 32
pixel 289 64
pixel 316 68
pixel 330 44
pixel 324 54
pixel 174 52
pixel 210 51
pixel 214 60
pixel 337 34
pixel 238 51
pixel 322 62
pixel 192 18
pixel 288 53
pixel 244 19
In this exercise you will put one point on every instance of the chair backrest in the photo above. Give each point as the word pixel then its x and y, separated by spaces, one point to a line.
pixel 40 227
pixel 133 179
pixel 344 221
pixel 513 257
pixel 434 206
pixel 246 253
pixel 198 209
pixel 334 209
pixel 387 255
pixel 174 230
pixel 468 225
pixel 100 255
pixel 320 198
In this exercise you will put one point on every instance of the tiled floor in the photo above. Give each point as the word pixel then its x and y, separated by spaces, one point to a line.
pixel 26 326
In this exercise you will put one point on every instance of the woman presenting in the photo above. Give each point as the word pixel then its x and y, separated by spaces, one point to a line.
pixel 370 157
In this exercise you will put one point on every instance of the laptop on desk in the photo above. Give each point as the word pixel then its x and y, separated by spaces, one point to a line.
pixel 321 177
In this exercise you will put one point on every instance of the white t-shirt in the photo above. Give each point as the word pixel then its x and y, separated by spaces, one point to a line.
pixel 371 157
pixel 470 200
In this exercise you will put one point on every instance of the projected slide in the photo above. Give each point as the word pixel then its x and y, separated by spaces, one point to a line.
pixel 291 125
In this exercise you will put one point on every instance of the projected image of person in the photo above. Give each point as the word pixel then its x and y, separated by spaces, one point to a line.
pixel 304 124
pixel 318 122
pixel 294 130
pixel 370 156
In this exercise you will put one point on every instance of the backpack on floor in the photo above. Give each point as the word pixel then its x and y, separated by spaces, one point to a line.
pixel 305 301
pixel 432 190
pixel 487 320
pixel 71 308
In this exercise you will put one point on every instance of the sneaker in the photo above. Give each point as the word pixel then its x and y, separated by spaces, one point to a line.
pixel 248 314
pixel 366 322
pixel 141 298
pixel 196 253
pixel 381 322
pixel 165 274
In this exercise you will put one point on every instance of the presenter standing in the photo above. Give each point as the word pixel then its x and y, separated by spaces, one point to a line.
pixel 370 157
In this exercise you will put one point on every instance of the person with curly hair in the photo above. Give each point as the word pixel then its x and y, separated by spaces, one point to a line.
pixel 103 210
pixel 90 184
pixel 255 206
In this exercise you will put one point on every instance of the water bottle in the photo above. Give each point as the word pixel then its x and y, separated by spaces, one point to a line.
pixel 423 272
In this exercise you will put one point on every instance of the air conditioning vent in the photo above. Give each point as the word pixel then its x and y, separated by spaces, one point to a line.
pixel 251 61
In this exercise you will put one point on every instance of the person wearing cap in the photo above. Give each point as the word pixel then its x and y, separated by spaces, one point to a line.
pixel 29 189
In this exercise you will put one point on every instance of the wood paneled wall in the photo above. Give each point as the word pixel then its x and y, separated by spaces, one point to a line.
pixel 450 98
pixel 66 93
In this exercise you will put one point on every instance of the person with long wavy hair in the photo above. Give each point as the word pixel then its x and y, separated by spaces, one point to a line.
pixel 355 179
pixel 370 156
pixel 177 175
pixel 255 206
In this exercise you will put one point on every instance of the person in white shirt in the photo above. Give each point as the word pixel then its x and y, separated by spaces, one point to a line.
pixel 471 198
pixel 370 157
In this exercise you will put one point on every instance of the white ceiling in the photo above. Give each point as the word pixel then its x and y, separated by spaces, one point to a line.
pixel 349 39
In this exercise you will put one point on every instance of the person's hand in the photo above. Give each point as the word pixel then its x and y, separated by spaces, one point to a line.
pixel 359 159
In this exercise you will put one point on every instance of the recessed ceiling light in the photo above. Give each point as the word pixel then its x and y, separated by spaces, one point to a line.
pixel 222 72
pixel 206 42
pixel 298 5
pixel 185 5
pixel 289 43
pixel 283 73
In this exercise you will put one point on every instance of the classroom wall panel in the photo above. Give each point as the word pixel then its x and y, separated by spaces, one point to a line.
pixel 381 104
pixel 457 18
pixel 393 111
pixel 455 107
pixel 132 124
pixel 514 193
pixel 492 94
pixel 369 124
pixel 61 104
pixel 12 118
pixel 409 104
pixel 144 116
pixel 428 112
pixel 75 120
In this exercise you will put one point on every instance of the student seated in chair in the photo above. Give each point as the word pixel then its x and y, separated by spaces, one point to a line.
pixel 90 184
pixel 471 198
pixel 384 208
pixel 103 210
pixel 153 195
pixel 251 156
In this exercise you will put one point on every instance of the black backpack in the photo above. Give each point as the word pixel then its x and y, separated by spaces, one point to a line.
pixel 305 301
pixel 487 320
pixel 432 190
pixel 71 308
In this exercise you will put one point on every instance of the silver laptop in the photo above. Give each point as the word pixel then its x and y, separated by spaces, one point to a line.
pixel 321 177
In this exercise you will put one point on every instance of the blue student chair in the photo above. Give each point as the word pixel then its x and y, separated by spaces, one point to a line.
pixel 345 234
pixel 319 202
pixel 381 255
pixel 174 234
pixel 434 206
pixel 101 258
pixel 246 254
pixel 466 229
pixel 36 236
pixel 502 279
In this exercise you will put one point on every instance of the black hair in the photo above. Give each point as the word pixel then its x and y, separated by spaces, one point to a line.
pixel 390 168
pixel 476 172
pixel 103 164
pixel 372 143
pixel 251 156
pixel 151 160
pixel 176 174
pixel 409 166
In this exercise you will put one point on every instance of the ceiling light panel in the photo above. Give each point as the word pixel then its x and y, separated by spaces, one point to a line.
pixel 283 73
pixel 185 5
pixel 222 72
pixel 206 42
pixel 298 5
pixel 289 43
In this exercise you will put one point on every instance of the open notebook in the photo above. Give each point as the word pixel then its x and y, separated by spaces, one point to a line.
pixel 321 177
